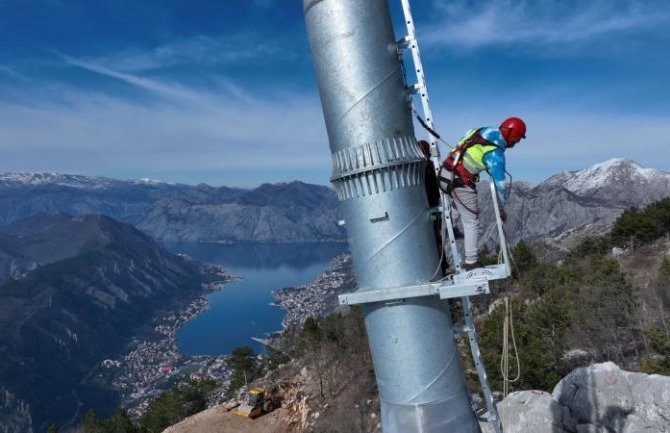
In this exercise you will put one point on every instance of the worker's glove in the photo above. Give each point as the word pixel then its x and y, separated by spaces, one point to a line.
pixel 503 215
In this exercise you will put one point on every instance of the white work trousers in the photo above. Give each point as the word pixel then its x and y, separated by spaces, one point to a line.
pixel 466 203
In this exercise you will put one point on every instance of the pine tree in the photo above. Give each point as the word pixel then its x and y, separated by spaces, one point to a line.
pixel 91 423
pixel 242 361
pixel 120 423
pixel 524 259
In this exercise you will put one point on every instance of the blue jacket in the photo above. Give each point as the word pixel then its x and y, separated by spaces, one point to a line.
pixel 495 160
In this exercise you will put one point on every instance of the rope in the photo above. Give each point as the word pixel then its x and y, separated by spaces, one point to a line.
pixel 425 126
pixel 508 329
pixel 443 233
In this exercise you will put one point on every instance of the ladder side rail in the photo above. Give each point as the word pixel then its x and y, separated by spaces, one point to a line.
pixel 422 88
pixel 494 418
pixel 421 80
pixel 501 231
pixel 448 222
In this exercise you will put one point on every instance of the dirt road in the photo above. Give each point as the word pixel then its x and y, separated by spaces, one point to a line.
pixel 218 420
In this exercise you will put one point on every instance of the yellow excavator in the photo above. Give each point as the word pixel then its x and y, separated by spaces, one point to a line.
pixel 257 402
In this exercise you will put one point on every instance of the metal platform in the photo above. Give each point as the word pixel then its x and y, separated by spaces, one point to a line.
pixel 470 283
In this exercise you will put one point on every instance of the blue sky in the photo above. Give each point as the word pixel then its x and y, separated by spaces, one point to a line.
pixel 223 92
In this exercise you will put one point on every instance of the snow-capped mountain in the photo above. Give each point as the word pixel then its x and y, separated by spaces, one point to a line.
pixel 41 179
pixel 568 206
pixel 561 210
pixel 617 181
pixel 69 180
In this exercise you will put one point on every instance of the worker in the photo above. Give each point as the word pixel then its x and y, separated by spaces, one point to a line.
pixel 433 195
pixel 430 178
pixel 481 149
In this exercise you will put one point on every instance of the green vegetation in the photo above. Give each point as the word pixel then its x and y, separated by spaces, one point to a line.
pixel 245 368
pixel 632 229
pixel 540 335
pixel 659 339
pixel 586 303
pixel 118 423
pixel 181 401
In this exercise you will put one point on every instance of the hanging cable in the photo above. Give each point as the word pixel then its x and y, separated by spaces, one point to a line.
pixel 425 126
pixel 508 330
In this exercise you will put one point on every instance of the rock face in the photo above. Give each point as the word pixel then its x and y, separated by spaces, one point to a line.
pixel 565 208
pixel 286 212
pixel 600 398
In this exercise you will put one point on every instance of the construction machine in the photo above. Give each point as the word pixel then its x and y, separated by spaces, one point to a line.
pixel 257 402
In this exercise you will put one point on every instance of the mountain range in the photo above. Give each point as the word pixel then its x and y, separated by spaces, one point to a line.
pixel 285 212
pixel 557 212
pixel 74 290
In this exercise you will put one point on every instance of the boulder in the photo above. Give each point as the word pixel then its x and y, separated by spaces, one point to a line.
pixel 600 398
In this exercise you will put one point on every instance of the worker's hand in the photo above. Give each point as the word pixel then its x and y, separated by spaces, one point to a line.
pixel 503 216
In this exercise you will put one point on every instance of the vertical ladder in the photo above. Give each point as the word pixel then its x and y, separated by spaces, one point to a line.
pixel 492 415
pixel 420 88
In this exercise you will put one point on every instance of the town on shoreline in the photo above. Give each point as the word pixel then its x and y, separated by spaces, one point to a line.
pixel 153 365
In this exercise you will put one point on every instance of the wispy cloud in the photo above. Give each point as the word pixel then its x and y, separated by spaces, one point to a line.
pixel 197 50
pixel 181 130
pixel 6 70
pixel 470 24
pixel 153 86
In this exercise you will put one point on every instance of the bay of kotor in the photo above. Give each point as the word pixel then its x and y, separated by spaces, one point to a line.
pixel 243 309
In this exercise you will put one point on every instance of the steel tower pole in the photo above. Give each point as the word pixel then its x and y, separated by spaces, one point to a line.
pixel 378 173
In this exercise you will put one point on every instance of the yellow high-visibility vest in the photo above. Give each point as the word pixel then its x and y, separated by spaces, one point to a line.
pixel 473 157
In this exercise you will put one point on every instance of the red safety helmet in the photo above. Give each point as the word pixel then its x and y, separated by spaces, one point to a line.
pixel 513 130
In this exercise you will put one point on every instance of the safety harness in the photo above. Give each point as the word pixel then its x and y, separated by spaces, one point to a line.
pixel 460 175
pixel 454 161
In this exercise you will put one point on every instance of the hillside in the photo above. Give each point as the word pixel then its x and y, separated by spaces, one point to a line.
pixel 285 212
pixel 85 286
pixel 572 322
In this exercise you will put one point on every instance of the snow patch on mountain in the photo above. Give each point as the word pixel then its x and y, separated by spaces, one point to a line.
pixel 42 179
pixel 606 178
pixel 68 180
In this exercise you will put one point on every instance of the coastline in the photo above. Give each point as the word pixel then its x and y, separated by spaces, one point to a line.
pixel 152 365
pixel 317 298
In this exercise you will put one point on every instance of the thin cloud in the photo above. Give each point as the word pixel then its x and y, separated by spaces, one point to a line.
pixel 471 25
pixel 182 131
pixel 164 89
pixel 134 80
pixel 6 70
pixel 198 50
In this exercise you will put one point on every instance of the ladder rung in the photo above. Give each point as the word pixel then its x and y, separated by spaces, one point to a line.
pixel 405 42
pixel 415 88
pixel 487 416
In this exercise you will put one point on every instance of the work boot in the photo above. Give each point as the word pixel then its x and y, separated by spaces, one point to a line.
pixel 471 266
